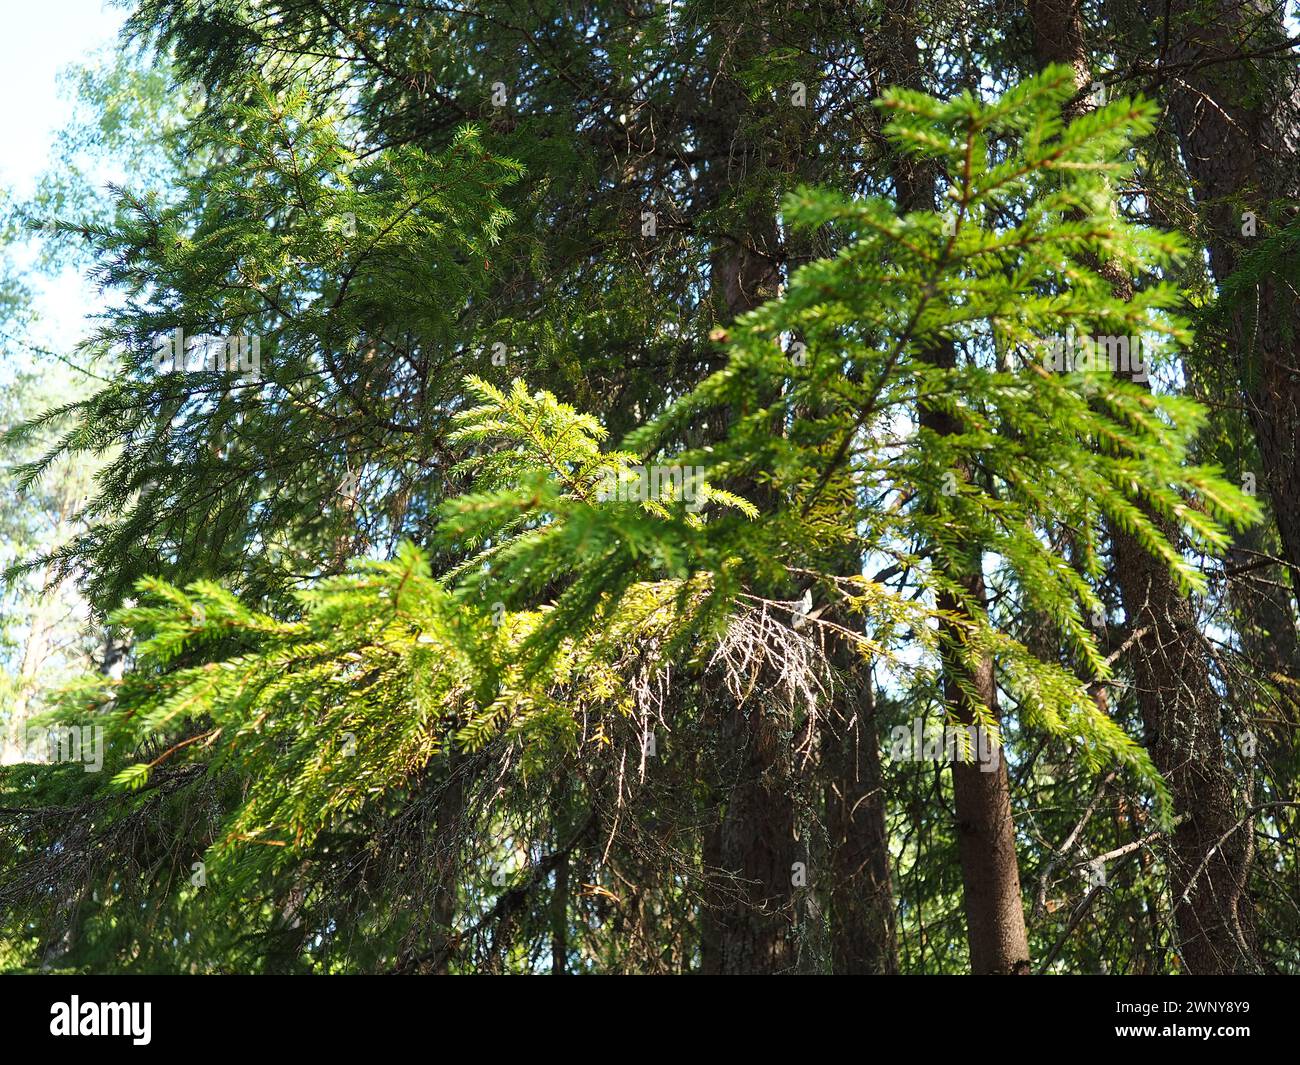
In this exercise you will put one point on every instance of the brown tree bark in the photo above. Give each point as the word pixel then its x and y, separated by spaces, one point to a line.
pixel 753 912
pixel 560 919
pixel 1209 853
pixel 446 828
pixel 750 926
pixel 995 918
pixel 863 939
pixel 1238 122
pixel 14 745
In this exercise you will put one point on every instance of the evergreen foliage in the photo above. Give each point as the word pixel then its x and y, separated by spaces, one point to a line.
pixel 538 550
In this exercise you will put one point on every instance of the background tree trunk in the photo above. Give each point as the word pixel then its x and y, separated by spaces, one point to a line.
pixel 995 917
pixel 861 896
pixel 1238 123
pixel 1172 671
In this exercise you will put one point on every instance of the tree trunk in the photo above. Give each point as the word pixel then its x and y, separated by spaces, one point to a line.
pixel 560 919
pixel 861 895
pixel 1238 125
pixel 751 927
pixel 1172 671
pixel 448 828
pixel 995 917
pixel 753 923
pixel 753 918
pixel 15 745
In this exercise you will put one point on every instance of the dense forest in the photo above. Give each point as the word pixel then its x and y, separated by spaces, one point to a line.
pixel 661 487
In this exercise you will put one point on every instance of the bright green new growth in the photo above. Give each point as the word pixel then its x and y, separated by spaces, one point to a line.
pixel 559 608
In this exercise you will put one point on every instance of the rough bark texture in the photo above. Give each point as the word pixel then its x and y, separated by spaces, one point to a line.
pixel 753 915
pixel 560 919
pixel 1181 718
pixel 751 929
pixel 986 836
pixel 1238 123
pixel 446 828
pixel 750 926
pixel 1209 854
pixel 861 895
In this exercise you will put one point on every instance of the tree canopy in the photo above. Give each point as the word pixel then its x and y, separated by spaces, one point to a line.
pixel 676 488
